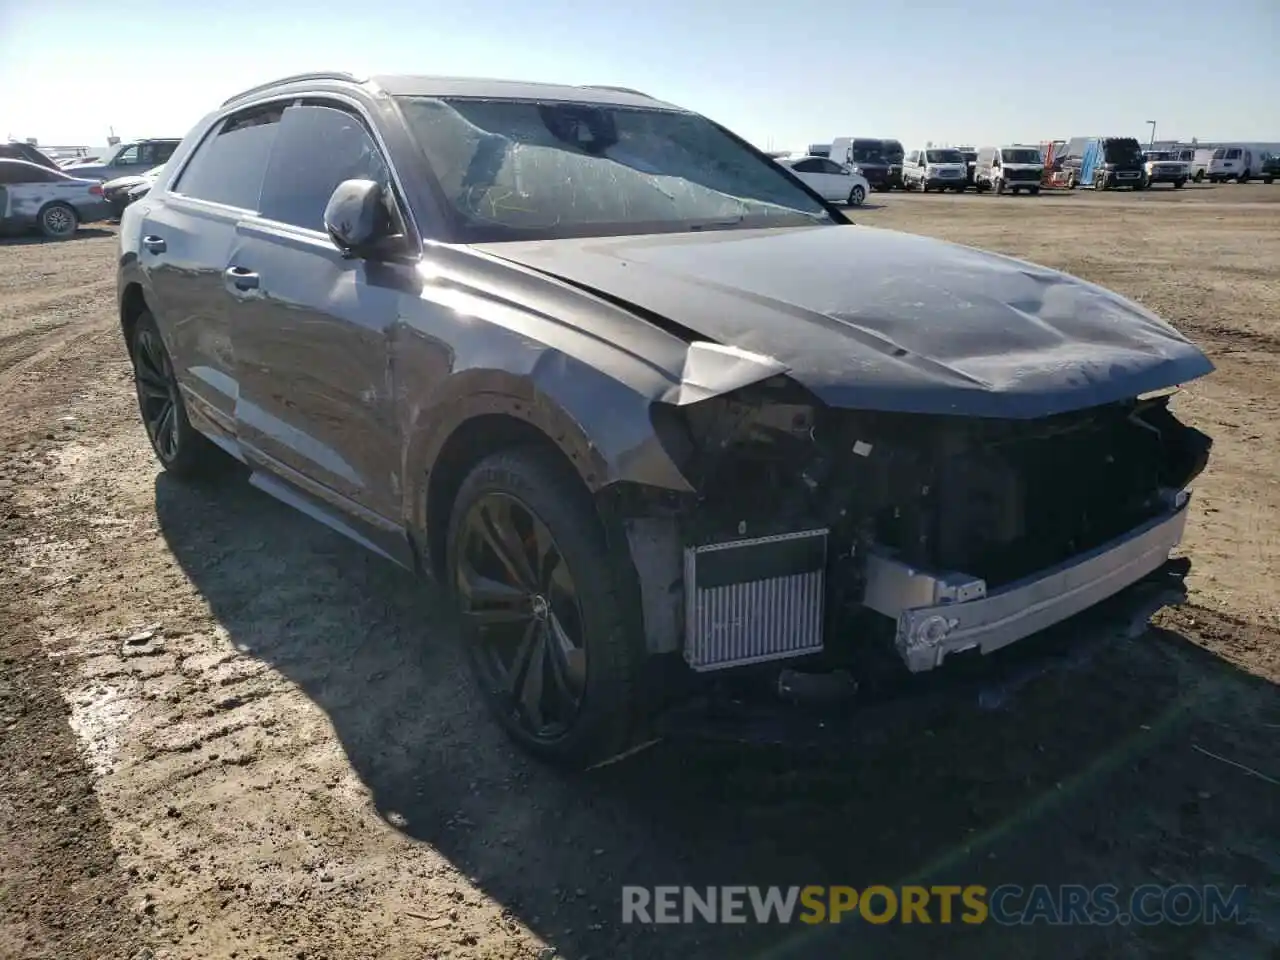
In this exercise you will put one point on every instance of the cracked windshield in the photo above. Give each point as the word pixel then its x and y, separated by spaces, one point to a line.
pixel 516 169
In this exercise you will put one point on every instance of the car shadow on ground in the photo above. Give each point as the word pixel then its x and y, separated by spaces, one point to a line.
pixel 1089 779
pixel 29 239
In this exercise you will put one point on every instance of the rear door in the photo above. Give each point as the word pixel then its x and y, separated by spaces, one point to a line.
pixel 312 331
pixel 838 183
pixel 186 239
pixel 810 171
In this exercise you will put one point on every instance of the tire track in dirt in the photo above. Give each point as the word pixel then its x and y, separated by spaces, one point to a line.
pixel 62 893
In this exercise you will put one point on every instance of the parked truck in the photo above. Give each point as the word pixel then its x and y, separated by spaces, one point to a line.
pixel 1104 163
pixel 1163 166
pixel 896 157
pixel 864 155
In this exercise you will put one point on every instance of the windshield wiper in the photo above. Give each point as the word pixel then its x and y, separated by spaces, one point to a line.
pixel 717 224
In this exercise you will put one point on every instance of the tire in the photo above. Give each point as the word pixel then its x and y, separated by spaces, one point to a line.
pixel 998 184
pixel 181 449
pixel 924 186
pixel 856 196
pixel 1268 180
pixel 58 221
pixel 1035 191
pixel 1243 177
pixel 1179 184
pixel 581 596
pixel 1199 177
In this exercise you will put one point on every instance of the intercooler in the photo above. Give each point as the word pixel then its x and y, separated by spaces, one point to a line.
pixel 752 600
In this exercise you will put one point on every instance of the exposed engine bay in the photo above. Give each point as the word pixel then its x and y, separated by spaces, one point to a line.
pixel 996 501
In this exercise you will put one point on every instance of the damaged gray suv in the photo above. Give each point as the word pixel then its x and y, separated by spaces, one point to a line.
pixel 664 421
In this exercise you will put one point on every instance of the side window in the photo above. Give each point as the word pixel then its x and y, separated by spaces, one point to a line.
pixel 127 156
pixel 229 164
pixel 829 167
pixel 301 178
pixel 807 166
pixel 154 154
pixel 9 173
pixel 1233 154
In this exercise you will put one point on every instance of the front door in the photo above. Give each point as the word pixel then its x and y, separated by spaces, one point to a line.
pixel 313 331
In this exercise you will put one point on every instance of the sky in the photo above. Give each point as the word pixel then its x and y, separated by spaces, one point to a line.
pixel 781 74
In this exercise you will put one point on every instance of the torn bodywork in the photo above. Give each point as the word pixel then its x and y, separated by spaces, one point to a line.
pixel 845 535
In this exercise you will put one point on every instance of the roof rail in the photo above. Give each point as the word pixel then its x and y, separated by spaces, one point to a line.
pixel 316 75
pixel 605 86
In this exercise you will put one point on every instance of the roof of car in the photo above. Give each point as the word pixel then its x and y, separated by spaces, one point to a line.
pixel 434 86
pixel 513 89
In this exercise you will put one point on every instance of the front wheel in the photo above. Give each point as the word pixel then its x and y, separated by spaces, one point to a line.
pixel 1268 179
pixel 58 221
pixel 1199 177
pixel 1179 184
pixel 857 195
pixel 547 621
pixel 181 449
pixel 1244 177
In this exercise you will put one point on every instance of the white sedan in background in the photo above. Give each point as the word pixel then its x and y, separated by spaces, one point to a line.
pixel 828 178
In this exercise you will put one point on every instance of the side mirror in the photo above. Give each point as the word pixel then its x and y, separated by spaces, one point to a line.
pixel 356 218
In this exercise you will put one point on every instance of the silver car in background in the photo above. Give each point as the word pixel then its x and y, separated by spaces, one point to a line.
pixel 50 201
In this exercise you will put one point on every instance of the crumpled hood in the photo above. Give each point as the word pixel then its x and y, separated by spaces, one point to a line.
pixel 880 320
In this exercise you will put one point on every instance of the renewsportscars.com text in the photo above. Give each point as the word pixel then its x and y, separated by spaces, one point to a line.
pixel 1008 904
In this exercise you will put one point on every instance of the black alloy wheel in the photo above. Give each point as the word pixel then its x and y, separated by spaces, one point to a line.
pixel 520 602
pixel 550 616
pixel 157 393
pixel 181 449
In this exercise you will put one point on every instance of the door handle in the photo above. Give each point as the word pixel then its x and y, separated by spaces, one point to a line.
pixel 154 244
pixel 241 278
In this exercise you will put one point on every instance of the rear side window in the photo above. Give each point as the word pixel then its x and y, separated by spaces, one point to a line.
pixel 301 178
pixel 23 172
pixel 229 164
pixel 154 154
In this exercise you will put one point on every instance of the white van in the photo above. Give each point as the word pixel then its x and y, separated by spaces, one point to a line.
pixel 937 168
pixel 1200 161
pixel 1234 162
pixel 1014 168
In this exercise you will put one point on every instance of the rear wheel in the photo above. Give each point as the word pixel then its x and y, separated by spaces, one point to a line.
pixel 548 625
pixel 1179 184
pixel 1268 179
pixel 58 221
pixel 181 449
pixel 857 195
pixel 1199 176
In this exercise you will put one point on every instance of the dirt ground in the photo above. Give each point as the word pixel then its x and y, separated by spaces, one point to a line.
pixel 225 732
